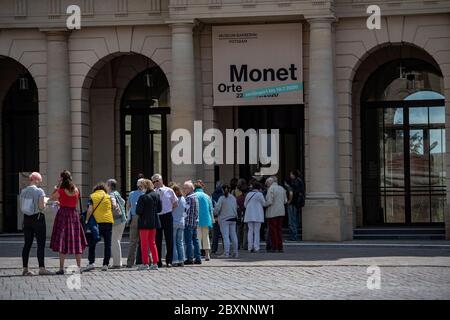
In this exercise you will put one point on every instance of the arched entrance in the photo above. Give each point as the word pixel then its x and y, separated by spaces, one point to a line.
pixel 127 105
pixel 20 141
pixel 144 111
pixel 403 147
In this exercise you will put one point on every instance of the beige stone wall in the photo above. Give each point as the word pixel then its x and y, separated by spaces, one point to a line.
pixel 52 13
pixel 354 42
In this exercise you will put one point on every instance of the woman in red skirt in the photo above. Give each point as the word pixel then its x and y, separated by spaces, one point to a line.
pixel 68 235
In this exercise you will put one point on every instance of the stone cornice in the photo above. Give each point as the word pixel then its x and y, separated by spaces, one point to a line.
pixel 56 34
pixel 35 14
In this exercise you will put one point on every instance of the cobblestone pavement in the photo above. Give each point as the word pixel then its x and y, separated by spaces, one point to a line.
pixel 304 271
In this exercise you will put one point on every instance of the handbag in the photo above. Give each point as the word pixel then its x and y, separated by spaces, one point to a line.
pixel 117 211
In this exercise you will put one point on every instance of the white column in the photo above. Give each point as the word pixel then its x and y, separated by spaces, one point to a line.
pixel 324 215
pixel 182 92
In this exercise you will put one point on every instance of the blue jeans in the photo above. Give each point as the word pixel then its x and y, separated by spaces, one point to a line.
pixel 293 222
pixel 178 244
pixel 191 240
pixel 228 229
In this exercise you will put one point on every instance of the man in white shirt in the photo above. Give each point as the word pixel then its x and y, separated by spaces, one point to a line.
pixel 169 202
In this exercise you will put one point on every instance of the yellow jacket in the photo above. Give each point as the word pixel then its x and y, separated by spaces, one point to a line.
pixel 103 213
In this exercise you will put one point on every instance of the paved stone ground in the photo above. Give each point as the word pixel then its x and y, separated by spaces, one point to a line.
pixel 414 270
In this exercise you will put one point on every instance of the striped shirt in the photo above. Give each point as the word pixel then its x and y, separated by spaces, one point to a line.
pixel 191 210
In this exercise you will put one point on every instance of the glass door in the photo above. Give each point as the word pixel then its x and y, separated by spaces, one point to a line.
pixel 144 142
pixel 404 162
pixel 392 161
pixel 426 157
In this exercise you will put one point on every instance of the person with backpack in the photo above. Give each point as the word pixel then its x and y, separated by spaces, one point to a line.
pixel 120 219
pixel 101 207
pixel 32 203
pixel 67 235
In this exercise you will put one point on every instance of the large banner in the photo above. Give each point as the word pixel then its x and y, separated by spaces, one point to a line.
pixel 257 64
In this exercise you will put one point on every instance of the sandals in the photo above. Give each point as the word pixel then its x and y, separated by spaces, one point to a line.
pixel 27 273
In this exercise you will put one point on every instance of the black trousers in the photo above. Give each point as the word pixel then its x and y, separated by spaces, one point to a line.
pixel 34 226
pixel 105 231
pixel 138 254
pixel 216 236
pixel 166 228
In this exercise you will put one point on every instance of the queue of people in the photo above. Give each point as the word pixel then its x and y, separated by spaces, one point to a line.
pixel 184 215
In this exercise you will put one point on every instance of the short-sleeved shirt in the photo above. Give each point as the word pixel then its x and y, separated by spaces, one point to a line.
pixel 179 213
pixel 102 203
pixel 133 199
pixel 168 198
pixel 34 194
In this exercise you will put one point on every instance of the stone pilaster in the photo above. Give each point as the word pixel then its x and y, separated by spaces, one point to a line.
pixel 324 214
pixel 182 92
pixel 59 126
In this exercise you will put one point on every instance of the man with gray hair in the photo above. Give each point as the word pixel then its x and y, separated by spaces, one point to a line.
pixel 120 218
pixel 191 223
pixel 275 200
pixel 169 202
pixel 133 223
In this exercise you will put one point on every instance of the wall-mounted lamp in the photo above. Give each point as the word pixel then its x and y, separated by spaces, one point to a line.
pixel 23 83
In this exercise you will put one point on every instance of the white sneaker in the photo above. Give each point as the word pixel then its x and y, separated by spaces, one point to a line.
pixel 105 268
pixel 143 267
pixel 153 267
pixel 89 267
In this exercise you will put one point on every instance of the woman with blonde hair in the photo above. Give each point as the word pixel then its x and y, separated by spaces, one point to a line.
pixel 101 207
pixel 147 209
